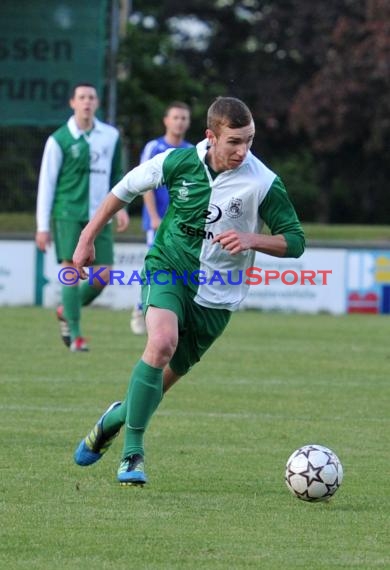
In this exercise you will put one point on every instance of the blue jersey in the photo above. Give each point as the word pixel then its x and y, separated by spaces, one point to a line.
pixel 161 195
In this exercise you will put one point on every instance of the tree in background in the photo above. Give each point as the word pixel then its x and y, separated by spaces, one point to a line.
pixel 260 51
pixel 344 111
pixel 315 74
pixel 152 76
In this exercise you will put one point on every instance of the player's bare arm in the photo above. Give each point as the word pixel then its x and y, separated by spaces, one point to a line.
pixel 235 242
pixel 150 204
pixel 122 220
pixel 84 254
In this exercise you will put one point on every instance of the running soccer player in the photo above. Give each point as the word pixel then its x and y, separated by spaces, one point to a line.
pixel 220 194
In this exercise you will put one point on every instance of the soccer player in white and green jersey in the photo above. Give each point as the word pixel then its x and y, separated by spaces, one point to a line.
pixel 220 194
pixel 81 162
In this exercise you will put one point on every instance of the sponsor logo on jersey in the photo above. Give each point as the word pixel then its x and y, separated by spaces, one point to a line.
pixel 195 232
pixel 94 156
pixel 212 214
pixel 234 208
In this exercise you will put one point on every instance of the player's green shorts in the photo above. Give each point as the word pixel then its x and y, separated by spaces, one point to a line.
pixel 199 326
pixel 66 236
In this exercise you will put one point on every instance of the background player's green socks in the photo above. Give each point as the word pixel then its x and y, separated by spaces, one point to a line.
pixel 143 397
pixel 71 302
pixel 88 293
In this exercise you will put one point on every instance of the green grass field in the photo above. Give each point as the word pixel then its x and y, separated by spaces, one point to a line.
pixel 217 448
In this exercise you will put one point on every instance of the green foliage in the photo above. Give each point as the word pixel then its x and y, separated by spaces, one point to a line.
pixel 216 449
pixel 21 151
pixel 310 72
pixel 152 76
pixel 298 172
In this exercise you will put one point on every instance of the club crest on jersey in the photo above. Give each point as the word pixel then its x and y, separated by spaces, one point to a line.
pixel 75 150
pixel 183 194
pixel 234 208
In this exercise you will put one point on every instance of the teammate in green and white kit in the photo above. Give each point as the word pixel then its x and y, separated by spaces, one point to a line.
pixel 220 194
pixel 81 162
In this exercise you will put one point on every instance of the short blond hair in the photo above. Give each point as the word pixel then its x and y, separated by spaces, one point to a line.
pixel 229 112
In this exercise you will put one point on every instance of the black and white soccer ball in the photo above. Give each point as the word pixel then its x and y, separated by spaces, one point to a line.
pixel 313 473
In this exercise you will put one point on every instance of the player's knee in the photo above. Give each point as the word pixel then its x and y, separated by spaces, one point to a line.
pixel 163 343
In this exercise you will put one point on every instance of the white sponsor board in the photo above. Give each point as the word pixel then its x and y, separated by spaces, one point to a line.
pixel 320 275
pixel 128 258
pixel 17 272
pixel 317 282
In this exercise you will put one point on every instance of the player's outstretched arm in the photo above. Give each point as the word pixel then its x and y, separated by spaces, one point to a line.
pixel 84 253
pixel 122 220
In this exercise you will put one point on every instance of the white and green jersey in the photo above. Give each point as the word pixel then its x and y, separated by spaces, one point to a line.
pixel 77 171
pixel 201 208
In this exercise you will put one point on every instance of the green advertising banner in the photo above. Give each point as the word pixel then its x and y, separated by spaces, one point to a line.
pixel 47 46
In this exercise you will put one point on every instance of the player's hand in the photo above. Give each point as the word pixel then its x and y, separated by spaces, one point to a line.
pixel 84 256
pixel 122 220
pixel 234 242
pixel 43 240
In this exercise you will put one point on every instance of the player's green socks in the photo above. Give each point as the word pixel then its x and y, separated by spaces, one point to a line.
pixel 71 302
pixel 88 293
pixel 143 397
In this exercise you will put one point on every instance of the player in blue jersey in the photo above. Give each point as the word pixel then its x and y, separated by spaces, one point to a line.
pixel 176 121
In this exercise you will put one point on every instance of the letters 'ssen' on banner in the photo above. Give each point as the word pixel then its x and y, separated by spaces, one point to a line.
pixel 46 47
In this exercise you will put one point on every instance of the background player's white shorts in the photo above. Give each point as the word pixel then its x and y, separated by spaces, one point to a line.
pixel 150 237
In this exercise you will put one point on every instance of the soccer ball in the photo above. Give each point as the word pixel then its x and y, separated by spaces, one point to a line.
pixel 313 473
